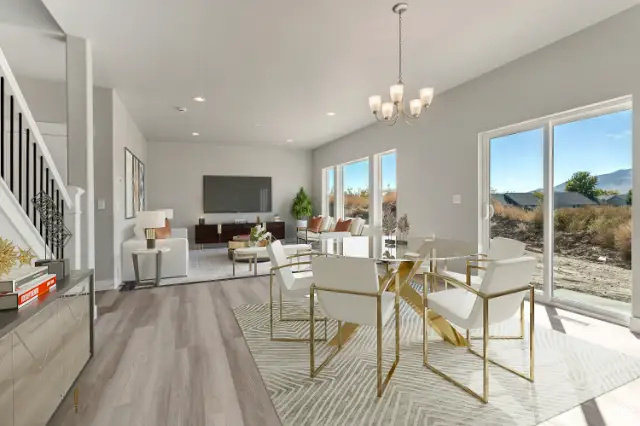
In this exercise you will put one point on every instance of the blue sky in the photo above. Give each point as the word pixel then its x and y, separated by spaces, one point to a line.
pixel 356 175
pixel 598 145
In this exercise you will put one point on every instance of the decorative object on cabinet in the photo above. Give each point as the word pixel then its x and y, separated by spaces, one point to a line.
pixel 8 256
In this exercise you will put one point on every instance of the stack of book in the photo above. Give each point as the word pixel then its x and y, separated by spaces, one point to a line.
pixel 24 285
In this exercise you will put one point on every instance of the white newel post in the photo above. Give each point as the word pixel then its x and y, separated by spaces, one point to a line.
pixel 80 138
pixel 73 221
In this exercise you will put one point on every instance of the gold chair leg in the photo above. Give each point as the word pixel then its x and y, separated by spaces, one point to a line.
pixel 532 322
pixel 313 371
pixel 379 346
pixel 485 360
pixel 425 320
pixel 288 339
pixel 519 337
pixel 445 376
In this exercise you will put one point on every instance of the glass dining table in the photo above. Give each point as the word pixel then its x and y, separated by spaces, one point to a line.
pixel 404 256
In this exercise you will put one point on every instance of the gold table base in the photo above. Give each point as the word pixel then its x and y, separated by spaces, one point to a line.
pixel 413 299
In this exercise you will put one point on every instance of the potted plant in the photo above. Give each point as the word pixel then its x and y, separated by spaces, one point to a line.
pixel 301 208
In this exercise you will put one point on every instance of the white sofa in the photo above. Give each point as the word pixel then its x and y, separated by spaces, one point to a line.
pixel 175 262
pixel 356 228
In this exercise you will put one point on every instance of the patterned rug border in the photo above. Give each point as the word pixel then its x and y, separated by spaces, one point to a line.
pixel 463 397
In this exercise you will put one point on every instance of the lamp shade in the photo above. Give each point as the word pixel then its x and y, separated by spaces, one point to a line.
pixel 415 105
pixel 396 92
pixel 150 219
pixel 387 110
pixel 168 213
pixel 426 96
pixel 374 103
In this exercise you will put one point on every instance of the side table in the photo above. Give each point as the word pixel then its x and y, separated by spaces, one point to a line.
pixel 158 252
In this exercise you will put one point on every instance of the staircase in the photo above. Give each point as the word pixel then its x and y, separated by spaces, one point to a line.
pixel 26 170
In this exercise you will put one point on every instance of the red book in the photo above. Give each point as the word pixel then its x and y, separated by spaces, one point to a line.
pixel 28 292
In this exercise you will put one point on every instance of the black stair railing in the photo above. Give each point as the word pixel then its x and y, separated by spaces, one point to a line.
pixel 19 168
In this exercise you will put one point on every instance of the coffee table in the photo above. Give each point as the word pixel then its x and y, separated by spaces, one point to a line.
pixel 253 254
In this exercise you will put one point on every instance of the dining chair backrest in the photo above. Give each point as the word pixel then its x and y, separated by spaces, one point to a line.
pixel 347 274
pixel 501 276
pixel 279 258
pixel 505 248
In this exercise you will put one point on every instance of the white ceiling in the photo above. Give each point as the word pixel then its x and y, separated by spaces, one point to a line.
pixel 271 70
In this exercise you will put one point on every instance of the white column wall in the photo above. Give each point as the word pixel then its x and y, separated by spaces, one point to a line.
pixel 80 138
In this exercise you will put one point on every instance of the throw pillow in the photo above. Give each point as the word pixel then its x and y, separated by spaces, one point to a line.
pixel 165 232
pixel 343 226
pixel 314 224
pixel 327 223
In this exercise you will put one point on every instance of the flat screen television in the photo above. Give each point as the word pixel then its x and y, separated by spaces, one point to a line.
pixel 237 194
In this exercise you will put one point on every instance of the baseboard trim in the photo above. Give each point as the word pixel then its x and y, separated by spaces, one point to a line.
pixel 103 285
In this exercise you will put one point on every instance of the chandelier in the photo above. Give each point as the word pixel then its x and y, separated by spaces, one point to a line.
pixel 390 111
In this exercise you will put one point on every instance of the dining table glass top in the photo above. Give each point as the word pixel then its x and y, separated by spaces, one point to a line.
pixel 388 249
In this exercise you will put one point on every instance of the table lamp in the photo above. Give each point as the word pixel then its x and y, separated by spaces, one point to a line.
pixel 149 221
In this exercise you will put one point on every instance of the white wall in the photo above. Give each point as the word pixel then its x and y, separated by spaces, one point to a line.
pixel 103 183
pixel 125 135
pixel 438 157
pixel 47 99
pixel 175 172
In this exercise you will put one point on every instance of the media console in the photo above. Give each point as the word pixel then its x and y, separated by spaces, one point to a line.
pixel 224 232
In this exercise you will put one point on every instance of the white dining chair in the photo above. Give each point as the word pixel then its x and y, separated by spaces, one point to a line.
pixel 291 285
pixel 348 290
pixel 496 300
pixel 500 248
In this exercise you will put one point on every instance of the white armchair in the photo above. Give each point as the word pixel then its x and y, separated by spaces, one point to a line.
pixel 291 285
pixel 348 290
pixel 497 299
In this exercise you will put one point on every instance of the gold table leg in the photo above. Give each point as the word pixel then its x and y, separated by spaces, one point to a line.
pixel 413 299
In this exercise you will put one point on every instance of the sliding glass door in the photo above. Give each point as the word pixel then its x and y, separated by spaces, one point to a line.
pixel 592 175
pixel 516 181
pixel 562 185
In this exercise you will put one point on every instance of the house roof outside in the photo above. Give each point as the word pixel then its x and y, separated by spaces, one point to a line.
pixel 499 198
pixel 522 199
pixel 571 199
pixel 528 199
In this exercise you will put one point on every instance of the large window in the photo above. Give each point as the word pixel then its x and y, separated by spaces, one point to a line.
pixel 330 195
pixel 355 177
pixel 574 168
pixel 388 186
pixel 347 191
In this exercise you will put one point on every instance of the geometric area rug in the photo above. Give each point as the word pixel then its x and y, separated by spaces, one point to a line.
pixel 568 372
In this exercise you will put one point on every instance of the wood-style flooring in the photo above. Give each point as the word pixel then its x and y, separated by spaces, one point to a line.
pixel 176 356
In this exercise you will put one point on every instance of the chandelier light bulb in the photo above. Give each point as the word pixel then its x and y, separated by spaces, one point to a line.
pixel 396 92
pixel 374 103
pixel 387 110
pixel 391 111
pixel 426 96
pixel 415 106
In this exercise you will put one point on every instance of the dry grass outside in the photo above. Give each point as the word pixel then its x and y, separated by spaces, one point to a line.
pixel 607 226
pixel 623 239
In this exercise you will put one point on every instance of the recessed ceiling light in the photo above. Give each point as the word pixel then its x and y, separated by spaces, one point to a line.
pixel 289 140
pixel 195 134
pixel 181 109
pixel 331 114
pixel 199 99
pixel 258 125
